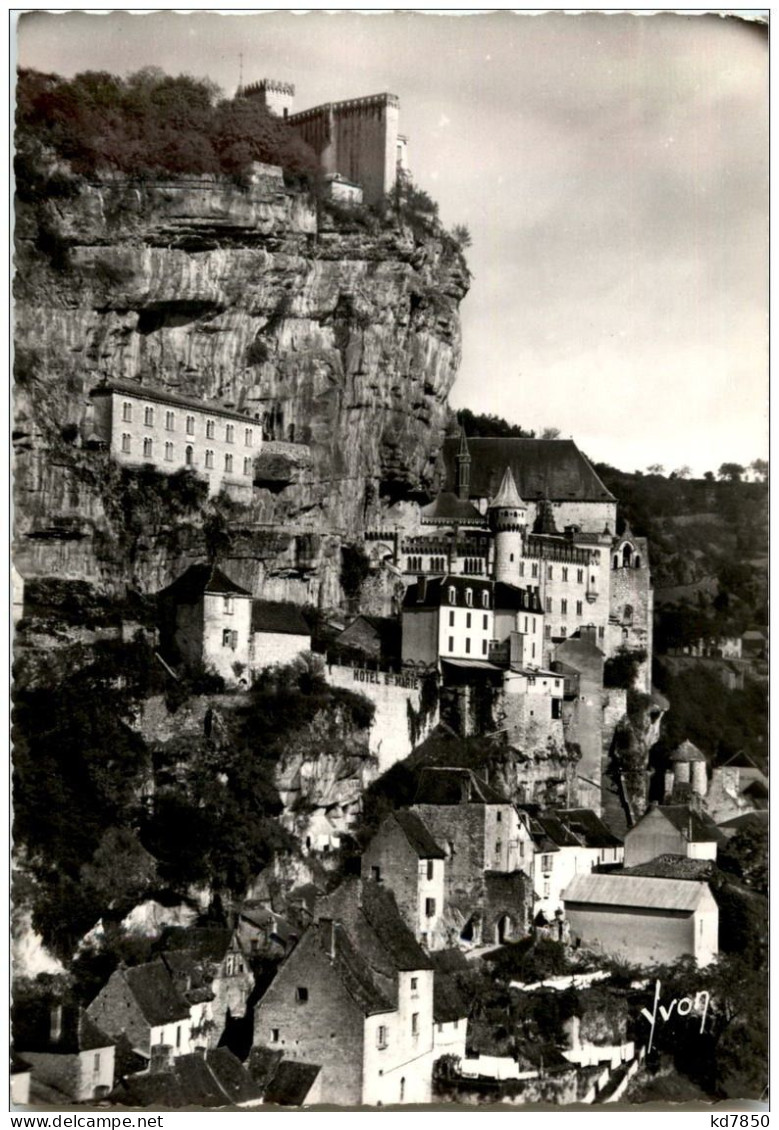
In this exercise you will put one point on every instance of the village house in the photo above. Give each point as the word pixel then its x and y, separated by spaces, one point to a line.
pixel 447 618
pixel 645 920
pixel 672 829
pixel 145 1004
pixel 68 1057
pixel 403 855
pixel 568 842
pixel 356 997
pixel 213 962
pixel 375 639
pixel 144 424
pixel 488 849
pixel 208 622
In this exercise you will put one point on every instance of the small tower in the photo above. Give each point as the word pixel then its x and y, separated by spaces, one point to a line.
pixel 508 519
pixel 687 774
pixel 277 97
pixel 463 467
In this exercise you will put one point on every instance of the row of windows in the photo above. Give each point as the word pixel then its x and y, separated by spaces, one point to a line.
pixel 189 454
pixel 549 571
pixel 382 1033
pixel 468 617
pixel 416 565
pixel 564 632
pixel 468 646
pixel 564 606
pixel 170 424
pixel 485 597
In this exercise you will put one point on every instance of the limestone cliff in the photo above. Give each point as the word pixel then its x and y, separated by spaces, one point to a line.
pixel 340 332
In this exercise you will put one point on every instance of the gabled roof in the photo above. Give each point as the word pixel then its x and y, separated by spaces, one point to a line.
pixel 454 786
pixel 588 826
pixel 291 1083
pixel 635 891
pixel 558 831
pixel 752 820
pixel 447 509
pixel 418 835
pixel 155 993
pixel 198 580
pixel 671 866
pixel 205 943
pixel 696 827
pixel 212 1079
pixel 542 468
pixel 351 969
pixel 279 616
pixel 165 396
pixel 380 911
pixel 263 1063
pixel 508 495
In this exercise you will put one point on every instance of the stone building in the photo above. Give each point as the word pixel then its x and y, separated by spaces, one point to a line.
pixel 672 829
pixel 214 964
pixel 356 141
pixel 279 633
pixel 64 1050
pixel 404 856
pixel 140 424
pixel 567 842
pixel 356 997
pixel 209 622
pixel 645 920
pixel 686 775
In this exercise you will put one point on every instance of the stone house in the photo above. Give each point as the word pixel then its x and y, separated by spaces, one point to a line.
pixel 64 1050
pixel 356 997
pixel 139 424
pixel 213 963
pixel 279 633
pixel 485 840
pixel 145 1004
pixel 404 856
pixel 672 829
pixel 208 619
pixel 645 920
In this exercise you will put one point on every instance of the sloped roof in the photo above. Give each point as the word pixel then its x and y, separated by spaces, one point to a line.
pixel 198 1082
pixel 279 616
pixel 635 891
pixel 157 996
pixel 508 495
pixel 696 827
pixel 381 913
pixel 454 786
pixel 447 508
pixel 165 396
pixel 291 1083
pixel 758 819
pixel 558 831
pixel 418 835
pixel 448 1002
pixel 263 1063
pixel 207 943
pixel 671 866
pixel 590 829
pixel 161 1089
pixel 687 752
pixel 434 591
pixel 352 970
pixel 200 579
pixel 515 598
pixel 232 1076
pixel 551 469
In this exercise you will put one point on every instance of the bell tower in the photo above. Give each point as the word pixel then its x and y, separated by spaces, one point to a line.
pixel 463 468
pixel 508 519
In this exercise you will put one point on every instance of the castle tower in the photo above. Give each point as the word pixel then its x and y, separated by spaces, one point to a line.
pixel 277 97
pixel 463 465
pixel 689 770
pixel 508 518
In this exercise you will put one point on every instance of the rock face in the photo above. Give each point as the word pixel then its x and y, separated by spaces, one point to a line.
pixel 341 334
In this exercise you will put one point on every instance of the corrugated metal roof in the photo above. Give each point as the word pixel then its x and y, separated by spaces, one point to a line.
pixel 631 890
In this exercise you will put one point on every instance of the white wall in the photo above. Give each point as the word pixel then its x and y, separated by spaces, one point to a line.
pixel 269 648
pixel 217 620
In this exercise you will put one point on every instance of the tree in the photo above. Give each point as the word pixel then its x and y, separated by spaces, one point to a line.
pixel 461 236
pixel 683 472
pixel 655 469
pixel 550 433
pixel 709 476
pixel 121 869
pixel 746 855
pixel 731 471
pixel 760 467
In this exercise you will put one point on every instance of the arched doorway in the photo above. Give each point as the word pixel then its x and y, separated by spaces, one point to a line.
pixel 471 931
pixel 503 929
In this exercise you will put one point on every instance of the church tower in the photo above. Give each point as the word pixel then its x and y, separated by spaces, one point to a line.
pixel 463 468
pixel 508 519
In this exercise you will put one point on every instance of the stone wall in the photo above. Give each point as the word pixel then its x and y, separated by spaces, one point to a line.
pixel 631 588
pixel 402 871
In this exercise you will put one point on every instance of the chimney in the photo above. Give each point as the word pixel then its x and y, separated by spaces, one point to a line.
pixel 55 1023
pixel 161 1058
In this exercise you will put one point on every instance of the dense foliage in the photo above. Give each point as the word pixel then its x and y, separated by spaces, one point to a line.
pixel 148 124
pixel 479 424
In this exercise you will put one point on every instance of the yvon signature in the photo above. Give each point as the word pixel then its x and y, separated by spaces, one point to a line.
pixel 698 1004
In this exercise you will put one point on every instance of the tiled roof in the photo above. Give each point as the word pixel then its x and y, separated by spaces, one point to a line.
pixel 212 1079
pixel 687 752
pixel 206 943
pixel 353 972
pixel 262 1064
pixel 381 913
pixel 634 891
pixel 198 1082
pixel 200 579
pixel 558 831
pixel 232 1076
pixel 542 468
pixel 589 827
pixel 696 827
pixel 454 786
pixel 435 594
pixel 418 835
pixel 164 396
pixel 757 819
pixel 447 508
pixel 158 998
pixel 291 1083
pixel 279 616
pixel 516 599
pixel 673 867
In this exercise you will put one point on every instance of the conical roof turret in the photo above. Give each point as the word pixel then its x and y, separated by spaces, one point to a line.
pixel 508 496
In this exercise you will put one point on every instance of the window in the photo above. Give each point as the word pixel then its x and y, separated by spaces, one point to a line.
pixel 430 868
pixel 96 1063
pixel 190 425
pixel 381 1036
pixel 498 817
pixel 147 448
pixel 127 411
pixel 148 416
pixel 229 639
pixel 414 984
pixel 557 708
pixel 230 433
pixel 547 631
pixel 564 607
pixel 601 633
pixel 498 846
pixel 534 651
pixel 535 570
pixel 178 1035
pixel 189 455
pixel 247 466
pixel 126 443
pixel 565 573
pixel 547 889
pixel 376 874
pixel 467 619
pixel 402 1088
pixel 526 625
pixel 578 608
pixel 228 605
pixel 169 452
pixel 484 647
pixel 485 621
pixel 546 863
pixel 414 1028
pixel 563 631
pixel 209 459
pixel 301 994
pixel 522 568
pixel 170 421
pixel 451 643
pixel 485 600
pixel 451 619
pixel 452 595
pixel 549 572
pixel 229 965
pixel 247 437
pixel 228 462
pixel 580 576
pixel 549 604
pixel 450 848
pixel 429 908
pixel 469 597
pixel 210 429
pixel 468 647
pixel 274 1035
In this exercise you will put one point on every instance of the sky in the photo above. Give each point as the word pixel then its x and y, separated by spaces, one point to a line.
pixel 612 171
